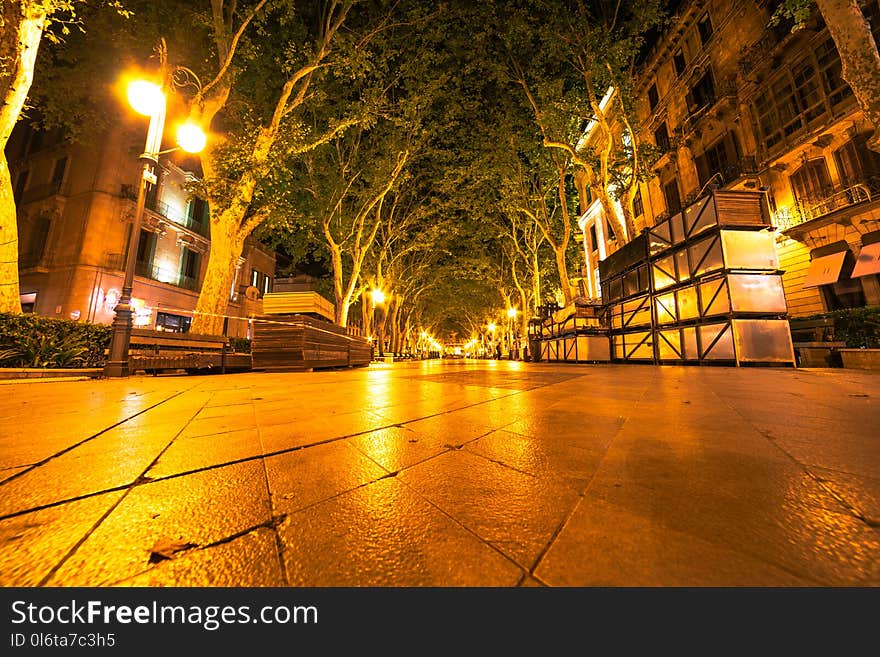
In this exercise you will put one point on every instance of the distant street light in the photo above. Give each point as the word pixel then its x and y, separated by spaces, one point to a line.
pixel 511 316
pixel 146 98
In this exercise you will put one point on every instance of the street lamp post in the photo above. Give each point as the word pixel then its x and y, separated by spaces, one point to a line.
pixel 378 299
pixel 148 99
pixel 511 317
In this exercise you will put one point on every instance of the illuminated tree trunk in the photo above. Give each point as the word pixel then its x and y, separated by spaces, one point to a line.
pixel 858 56
pixel 22 28
pixel 213 299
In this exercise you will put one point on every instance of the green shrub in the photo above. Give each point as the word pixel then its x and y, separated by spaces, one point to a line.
pixel 858 327
pixel 33 341
pixel 240 345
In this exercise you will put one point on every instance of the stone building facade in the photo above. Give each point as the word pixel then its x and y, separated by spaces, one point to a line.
pixel 76 205
pixel 734 103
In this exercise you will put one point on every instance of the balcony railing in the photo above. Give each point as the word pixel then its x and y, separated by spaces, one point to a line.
pixel 40 192
pixel 151 271
pixel 168 211
pixel 803 212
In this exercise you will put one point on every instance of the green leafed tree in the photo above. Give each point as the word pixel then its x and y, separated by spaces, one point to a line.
pixel 575 62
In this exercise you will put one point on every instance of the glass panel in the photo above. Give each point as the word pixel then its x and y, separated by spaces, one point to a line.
pixel 631 283
pixel 664 273
pixel 677 226
pixel 689 343
pixel 643 278
pixel 713 295
pixel 569 353
pixel 687 303
pixel 766 340
pixel 699 216
pixel 713 259
pixel 616 316
pixel 757 293
pixel 659 238
pixel 617 341
pixel 749 249
pixel 616 288
pixel 669 345
pixel 638 345
pixel 723 348
pixel 681 260
pixel 637 313
pixel 665 305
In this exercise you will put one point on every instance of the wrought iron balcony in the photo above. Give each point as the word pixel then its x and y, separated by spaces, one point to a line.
pixel 811 209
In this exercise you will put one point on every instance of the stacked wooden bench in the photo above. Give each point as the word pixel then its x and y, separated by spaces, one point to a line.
pixel 156 351
pixel 300 342
pixel 814 343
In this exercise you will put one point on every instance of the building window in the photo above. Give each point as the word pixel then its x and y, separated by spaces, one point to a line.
pixel 719 161
pixel 845 293
pixel 830 68
pixel 653 97
pixel 661 138
pixel 801 95
pixel 172 323
pixel 673 200
pixel 261 281
pixel 594 239
pixel 189 268
pixel 704 26
pixel 58 174
pixel 197 215
pixel 811 183
pixel 679 62
pixel 638 207
pixel 146 247
pixel 809 94
pixel 856 163
pixel 36 242
pixel 702 93
pixel 20 184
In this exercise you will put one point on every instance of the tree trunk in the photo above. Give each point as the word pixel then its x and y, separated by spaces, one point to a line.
pixel 610 213
pixel 536 279
pixel 395 327
pixel 23 24
pixel 213 302
pixel 562 267
pixel 858 56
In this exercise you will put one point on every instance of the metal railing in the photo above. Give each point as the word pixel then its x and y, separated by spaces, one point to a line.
pixel 40 192
pixel 808 210
pixel 167 211
pixel 151 271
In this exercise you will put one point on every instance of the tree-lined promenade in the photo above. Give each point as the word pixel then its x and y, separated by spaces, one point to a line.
pixel 438 152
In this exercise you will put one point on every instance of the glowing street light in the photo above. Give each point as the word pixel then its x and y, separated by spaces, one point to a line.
pixel 378 296
pixel 148 99
pixel 511 316
pixel 191 137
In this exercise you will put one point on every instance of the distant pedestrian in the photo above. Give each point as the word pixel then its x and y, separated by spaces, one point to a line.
pixel 498 351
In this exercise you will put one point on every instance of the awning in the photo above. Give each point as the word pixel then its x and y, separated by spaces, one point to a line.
pixel 825 269
pixel 868 261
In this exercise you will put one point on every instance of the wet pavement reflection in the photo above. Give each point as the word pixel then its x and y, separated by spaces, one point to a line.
pixel 438 473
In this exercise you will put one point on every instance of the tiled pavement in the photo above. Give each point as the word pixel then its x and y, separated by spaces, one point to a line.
pixel 462 473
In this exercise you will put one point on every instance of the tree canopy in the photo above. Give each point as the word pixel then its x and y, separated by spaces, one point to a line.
pixel 430 149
